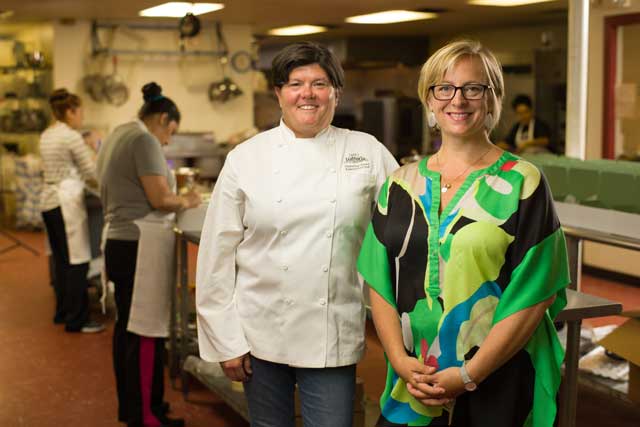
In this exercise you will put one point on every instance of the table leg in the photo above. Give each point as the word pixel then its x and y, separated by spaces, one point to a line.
pixel 574 251
pixel 173 342
pixel 184 312
pixel 569 389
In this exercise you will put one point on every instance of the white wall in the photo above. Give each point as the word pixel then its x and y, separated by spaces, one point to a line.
pixel 185 79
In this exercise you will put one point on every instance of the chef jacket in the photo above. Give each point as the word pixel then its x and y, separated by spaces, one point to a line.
pixel 276 273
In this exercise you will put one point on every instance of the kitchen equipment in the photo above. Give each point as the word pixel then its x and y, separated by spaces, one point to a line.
pixel 226 89
pixel 115 91
pixel 396 121
pixel 94 85
pixel 186 178
pixel 189 26
pixel 19 53
pixel 35 59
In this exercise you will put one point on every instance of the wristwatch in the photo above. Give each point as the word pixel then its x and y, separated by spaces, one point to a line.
pixel 469 385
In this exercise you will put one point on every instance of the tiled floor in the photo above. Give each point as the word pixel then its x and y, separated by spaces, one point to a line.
pixel 50 378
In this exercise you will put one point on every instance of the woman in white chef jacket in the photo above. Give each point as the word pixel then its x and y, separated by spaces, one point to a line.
pixel 67 162
pixel 278 298
pixel 139 205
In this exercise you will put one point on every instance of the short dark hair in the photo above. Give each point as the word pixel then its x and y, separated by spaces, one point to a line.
pixel 62 100
pixel 156 103
pixel 521 99
pixel 305 53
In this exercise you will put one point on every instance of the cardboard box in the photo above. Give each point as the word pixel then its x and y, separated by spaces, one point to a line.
pixel 625 342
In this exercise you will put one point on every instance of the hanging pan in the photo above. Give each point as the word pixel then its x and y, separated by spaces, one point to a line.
pixel 115 90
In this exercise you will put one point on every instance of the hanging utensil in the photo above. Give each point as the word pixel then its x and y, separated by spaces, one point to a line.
pixel 189 26
pixel 93 84
pixel 115 90
pixel 226 89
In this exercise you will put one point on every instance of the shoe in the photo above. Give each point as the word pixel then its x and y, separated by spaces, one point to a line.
pixel 91 327
pixel 171 422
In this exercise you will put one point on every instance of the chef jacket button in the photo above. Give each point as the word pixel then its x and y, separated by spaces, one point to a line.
pixel 276 171
pixel 283 233
pixel 329 234
pixel 288 301
pixel 279 199
pixel 323 301
pixel 325 268
pixel 332 170
pixel 285 267
pixel 332 200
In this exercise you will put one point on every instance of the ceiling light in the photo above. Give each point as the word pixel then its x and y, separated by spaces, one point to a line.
pixel 390 17
pixel 297 30
pixel 180 9
pixel 505 3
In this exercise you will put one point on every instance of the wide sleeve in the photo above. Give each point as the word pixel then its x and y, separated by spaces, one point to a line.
pixel 82 157
pixel 220 333
pixel 538 262
pixel 539 270
pixel 373 262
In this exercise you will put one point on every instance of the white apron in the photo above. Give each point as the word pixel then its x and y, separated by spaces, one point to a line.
pixel 155 276
pixel 76 222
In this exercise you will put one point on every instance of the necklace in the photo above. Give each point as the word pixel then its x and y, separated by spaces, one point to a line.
pixel 445 187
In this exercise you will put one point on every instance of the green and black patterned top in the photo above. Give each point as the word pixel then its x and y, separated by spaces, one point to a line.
pixel 497 248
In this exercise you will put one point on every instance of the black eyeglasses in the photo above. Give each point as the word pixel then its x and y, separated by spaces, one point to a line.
pixel 470 92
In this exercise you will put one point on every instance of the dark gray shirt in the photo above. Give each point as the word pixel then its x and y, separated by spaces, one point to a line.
pixel 128 153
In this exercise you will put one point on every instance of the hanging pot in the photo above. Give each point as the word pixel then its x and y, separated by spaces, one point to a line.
pixel 189 26
pixel 94 85
pixel 224 90
pixel 115 90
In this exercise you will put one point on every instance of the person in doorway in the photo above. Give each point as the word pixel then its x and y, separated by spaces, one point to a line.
pixel 136 191
pixel 67 164
pixel 277 294
pixel 467 266
pixel 529 135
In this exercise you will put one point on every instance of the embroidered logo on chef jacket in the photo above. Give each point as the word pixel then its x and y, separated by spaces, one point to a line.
pixel 356 161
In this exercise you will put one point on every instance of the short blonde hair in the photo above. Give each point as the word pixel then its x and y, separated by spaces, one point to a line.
pixel 446 57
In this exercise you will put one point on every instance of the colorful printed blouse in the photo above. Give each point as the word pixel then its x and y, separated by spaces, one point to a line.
pixel 497 248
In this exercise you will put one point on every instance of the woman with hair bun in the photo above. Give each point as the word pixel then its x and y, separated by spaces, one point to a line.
pixel 136 187
pixel 67 164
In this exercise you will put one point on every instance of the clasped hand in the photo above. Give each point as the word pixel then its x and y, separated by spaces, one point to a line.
pixel 429 387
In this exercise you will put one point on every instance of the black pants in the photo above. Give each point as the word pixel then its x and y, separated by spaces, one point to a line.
pixel 69 280
pixel 137 360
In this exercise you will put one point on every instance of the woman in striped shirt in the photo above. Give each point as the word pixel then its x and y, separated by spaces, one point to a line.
pixel 67 161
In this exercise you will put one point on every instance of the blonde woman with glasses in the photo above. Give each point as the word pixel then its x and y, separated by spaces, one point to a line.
pixel 467 265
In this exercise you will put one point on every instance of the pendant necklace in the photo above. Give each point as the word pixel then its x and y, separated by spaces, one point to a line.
pixel 445 187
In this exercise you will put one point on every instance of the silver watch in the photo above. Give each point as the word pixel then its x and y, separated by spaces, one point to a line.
pixel 469 384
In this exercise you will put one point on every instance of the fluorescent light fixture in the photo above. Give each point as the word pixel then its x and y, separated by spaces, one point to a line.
pixel 177 9
pixel 505 3
pixel 390 17
pixel 297 30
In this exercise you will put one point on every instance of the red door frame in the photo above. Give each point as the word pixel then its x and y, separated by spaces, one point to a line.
pixel 611 24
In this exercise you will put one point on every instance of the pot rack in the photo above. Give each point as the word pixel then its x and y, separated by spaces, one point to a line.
pixel 98 49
